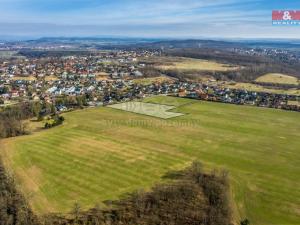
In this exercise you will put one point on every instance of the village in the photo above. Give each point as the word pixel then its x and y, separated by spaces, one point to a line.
pixel 161 112
pixel 108 77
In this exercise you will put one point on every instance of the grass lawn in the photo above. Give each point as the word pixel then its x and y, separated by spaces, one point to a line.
pixel 51 78
pixel 294 103
pixel 28 78
pixel 151 80
pixel 278 78
pixel 102 76
pixel 102 153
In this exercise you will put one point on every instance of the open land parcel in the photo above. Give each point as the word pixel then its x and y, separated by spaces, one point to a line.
pixel 91 158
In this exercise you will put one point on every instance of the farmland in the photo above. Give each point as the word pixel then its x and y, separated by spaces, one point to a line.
pixel 102 76
pixel 151 80
pixel 278 78
pixel 103 153
pixel 260 88
pixel 189 64
pixel 28 78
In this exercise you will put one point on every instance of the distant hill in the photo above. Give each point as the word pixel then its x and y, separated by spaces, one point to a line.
pixel 94 40
pixel 159 43
pixel 284 44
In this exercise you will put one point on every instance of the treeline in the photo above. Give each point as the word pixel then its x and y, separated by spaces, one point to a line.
pixel 274 85
pixel 14 209
pixel 54 53
pixel 150 71
pixel 11 118
pixel 193 198
pixel 73 101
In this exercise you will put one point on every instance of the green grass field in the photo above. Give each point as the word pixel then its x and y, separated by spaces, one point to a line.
pixel 151 80
pixel 104 153
pixel 278 78
pixel 190 64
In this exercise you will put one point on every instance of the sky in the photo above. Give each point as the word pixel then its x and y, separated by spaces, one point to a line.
pixel 142 18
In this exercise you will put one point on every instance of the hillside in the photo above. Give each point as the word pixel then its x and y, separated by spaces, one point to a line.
pixel 103 153
pixel 278 78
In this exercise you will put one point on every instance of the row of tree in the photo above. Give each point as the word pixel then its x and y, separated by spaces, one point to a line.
pixel 12 117
pixel 73 101
pixel 14 209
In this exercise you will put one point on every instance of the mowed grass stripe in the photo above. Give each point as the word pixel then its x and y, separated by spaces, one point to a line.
pixel 128 145
pixel 61 168
pixel 157 161
pixel 168 155
pixel 84 164
pixel 64 170
pixel 81 159
pixel 123 152
pixel 65 183
pixel 79 183
pixel 56 150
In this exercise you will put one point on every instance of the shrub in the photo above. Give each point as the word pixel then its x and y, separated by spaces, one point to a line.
pixel 54 121
pixel 245 222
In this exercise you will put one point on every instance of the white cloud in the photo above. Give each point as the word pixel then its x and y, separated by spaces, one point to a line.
pixel 216 18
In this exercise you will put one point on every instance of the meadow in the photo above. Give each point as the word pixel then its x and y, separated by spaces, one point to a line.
pixel 149 109
pixel 260 88
pixel 151 80
pixel 28 78
pixel 278 78
pixel 103 153
pixel 189 64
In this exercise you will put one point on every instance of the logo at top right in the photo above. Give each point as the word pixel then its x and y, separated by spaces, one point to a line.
pixel 286 17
